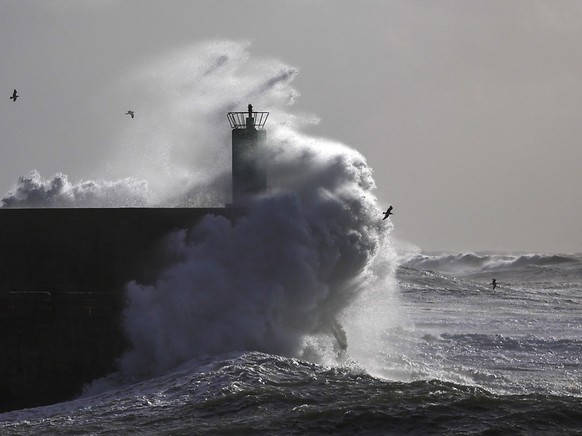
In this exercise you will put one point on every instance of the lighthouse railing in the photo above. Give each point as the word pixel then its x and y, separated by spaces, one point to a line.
pixel 238 120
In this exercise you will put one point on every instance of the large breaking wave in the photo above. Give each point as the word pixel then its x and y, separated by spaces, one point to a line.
pixel 307 271
pixel 281 279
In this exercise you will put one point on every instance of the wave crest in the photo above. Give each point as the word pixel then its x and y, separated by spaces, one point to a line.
pixel 32 191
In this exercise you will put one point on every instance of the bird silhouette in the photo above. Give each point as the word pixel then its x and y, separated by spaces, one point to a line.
pixel 14 96
pixel 130 113
pixel 387 213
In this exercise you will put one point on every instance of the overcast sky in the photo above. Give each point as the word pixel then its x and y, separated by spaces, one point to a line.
pixel 469 112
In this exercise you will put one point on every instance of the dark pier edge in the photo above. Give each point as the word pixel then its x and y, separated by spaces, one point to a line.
pixel 62 279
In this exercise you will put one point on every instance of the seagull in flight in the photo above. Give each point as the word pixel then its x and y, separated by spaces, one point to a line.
pixel 387 213
pixel 14 96
pixel 130 113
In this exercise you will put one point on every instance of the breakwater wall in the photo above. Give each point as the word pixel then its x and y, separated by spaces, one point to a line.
pixel 62 279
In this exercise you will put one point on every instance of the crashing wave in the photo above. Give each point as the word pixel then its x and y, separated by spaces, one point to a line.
pixel 32 191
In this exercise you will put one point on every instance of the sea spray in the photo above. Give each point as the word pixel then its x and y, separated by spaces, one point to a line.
pixel 176 152
pixel 283 272
pixel 307 272
pixel 179 140
pixel 279 279
pixel 32 190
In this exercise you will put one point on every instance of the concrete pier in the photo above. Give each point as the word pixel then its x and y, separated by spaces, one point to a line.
pixel 62 279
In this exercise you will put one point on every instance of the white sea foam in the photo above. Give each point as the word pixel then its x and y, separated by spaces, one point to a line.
pixel 33 191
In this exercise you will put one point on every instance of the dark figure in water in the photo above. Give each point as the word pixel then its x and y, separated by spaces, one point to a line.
pixel 387 213
pixel 494 283
pixel 14 96
pixel 130 113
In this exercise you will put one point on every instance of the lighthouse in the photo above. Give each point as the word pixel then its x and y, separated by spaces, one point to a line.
pixel 65 270
pixel 249 174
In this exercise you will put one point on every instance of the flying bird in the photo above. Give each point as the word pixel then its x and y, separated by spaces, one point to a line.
pixel 14 96
pixel 387 213
pixel 130 113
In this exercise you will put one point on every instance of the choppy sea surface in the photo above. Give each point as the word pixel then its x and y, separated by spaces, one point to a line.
pixel 464 358
pixel 301 318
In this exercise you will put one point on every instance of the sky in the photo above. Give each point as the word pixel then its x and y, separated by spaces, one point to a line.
pixel 468 111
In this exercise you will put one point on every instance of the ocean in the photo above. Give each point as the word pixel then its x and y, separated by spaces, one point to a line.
pixel 462 358
pixel 305 316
